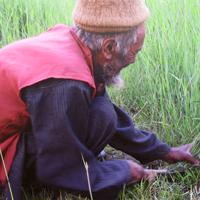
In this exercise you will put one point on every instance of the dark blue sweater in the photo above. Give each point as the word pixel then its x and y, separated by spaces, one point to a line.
pixel 69 128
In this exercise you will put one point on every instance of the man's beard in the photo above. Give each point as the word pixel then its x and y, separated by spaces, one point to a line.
pixel 112 80
pixel 111 71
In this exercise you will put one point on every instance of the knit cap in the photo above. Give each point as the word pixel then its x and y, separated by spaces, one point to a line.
pixel 108 16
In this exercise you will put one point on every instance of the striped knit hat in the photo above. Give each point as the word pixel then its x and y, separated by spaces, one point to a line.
pixel 106 16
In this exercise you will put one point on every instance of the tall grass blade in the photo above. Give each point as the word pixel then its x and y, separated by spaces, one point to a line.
pixel 6 175
pixel 88 177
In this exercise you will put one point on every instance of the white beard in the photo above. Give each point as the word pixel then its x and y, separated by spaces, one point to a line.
pixel 117 82
pixel 108 70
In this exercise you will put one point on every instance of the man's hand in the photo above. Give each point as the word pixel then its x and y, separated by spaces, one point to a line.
pixel 137 172
pixel 181 153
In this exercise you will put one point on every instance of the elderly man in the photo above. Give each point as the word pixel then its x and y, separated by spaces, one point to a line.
pixel 55 111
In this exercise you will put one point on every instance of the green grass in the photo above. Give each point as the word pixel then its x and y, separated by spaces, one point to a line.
pixel 166 75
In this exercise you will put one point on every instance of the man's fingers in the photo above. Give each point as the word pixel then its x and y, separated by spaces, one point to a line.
pixel 197 162
pixel 190 146
pixel 151 174
pixel 192 159
pixel 186 147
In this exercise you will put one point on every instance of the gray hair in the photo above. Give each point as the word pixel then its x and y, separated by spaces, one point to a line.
pixel 94 41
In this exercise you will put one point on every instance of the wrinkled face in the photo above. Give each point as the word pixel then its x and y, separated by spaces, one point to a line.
pixel 112 68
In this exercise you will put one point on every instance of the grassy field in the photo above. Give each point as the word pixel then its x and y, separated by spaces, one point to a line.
pixel 162 88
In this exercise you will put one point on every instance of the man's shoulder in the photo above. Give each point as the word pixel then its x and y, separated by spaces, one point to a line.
pixel 66 84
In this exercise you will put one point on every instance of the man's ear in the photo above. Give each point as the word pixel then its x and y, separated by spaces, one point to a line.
pixel 109 47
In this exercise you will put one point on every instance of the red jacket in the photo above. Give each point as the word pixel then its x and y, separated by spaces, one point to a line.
pixel 56 53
